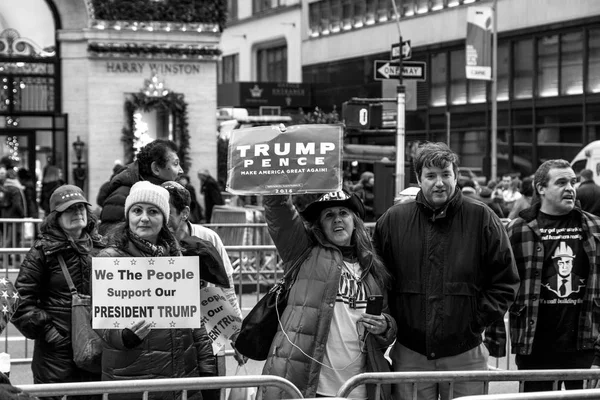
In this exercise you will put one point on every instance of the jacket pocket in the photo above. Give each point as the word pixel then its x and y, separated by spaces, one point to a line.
pixel 460 296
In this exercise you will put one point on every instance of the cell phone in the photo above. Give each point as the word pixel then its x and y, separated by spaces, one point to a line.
pixel 374 304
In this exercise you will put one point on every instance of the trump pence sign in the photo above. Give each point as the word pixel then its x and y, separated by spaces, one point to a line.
pixel 280 160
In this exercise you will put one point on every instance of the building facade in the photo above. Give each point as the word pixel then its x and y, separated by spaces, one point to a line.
pixel 110 85
pixel 548 74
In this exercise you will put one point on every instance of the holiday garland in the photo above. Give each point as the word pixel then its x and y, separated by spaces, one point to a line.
pixel 176 105
pixel 111 49
pixel 207 11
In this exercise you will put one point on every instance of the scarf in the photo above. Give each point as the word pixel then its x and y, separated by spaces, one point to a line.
pixel 146 247
pixel 349 253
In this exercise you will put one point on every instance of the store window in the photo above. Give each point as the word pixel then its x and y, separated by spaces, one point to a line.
pixel 232 9
pixel 422 6
pixel 571 63
pixel 458 79
pixel 438 80
pixel 371 14
pixel 324 17
pixel 347 14
pixel 272 64
pixel 594 61
pixel 503 71
pixel 264 5
pixel 547 66
pixel 230 69
pixel 477 91
pixel 523 69
pixel 314 10
pixel 360 8
pixel 335 13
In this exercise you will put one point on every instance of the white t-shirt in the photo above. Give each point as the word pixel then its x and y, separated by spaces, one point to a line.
pixel 343 356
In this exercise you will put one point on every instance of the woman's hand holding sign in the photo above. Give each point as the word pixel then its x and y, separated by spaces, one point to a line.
pixel 141 328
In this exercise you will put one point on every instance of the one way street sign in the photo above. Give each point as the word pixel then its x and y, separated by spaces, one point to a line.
pixel 386 69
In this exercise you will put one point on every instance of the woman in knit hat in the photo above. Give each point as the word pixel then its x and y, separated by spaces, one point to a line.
pixel 140 351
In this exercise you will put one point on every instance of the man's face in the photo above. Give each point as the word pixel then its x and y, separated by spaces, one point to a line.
pixel 172 169
pixel 438 185
pixel 558 196
pixel 565 265
pixel 506 180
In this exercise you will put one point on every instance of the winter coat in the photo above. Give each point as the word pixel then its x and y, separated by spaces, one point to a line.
pixel 46 304
pixel 17 203
pixel 113 206
pixel 525 237
pixel 309 311
pixel 454 273
pixel 212 196
pixel 163 353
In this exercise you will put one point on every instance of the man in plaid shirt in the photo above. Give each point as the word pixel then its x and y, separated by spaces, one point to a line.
pixel 554 321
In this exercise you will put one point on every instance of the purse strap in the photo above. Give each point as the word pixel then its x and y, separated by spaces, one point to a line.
pixel 290 275
pixel 65 271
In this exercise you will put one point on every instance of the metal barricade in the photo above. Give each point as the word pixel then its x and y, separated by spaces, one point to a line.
pixel 582 394
pixel 143 387
pixel 451 377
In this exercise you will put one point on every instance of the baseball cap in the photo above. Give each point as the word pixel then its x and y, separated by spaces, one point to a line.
pixel 65 196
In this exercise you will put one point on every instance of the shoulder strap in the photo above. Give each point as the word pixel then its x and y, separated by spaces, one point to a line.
pixel 290 275
pixel 65 271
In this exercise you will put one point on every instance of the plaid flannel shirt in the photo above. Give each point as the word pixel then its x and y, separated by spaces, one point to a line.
pixel 525 238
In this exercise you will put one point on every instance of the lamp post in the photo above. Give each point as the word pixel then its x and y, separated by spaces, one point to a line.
pixel 80 171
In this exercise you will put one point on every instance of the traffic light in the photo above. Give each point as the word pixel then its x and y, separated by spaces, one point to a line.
pixel 362 116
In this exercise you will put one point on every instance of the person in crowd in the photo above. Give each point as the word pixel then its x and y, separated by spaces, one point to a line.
pixel 325 336
pixel 525 200
pixel 26 180
pixel 196 239
pixel 141 352
pixel 103 192
pixel 196 212
pixel 44 314
pixel 211 190
pixel 511 194
pixel 469 188
pixel 157 162
pixel 588 193
pixel 52 178
pixel 12 198
pixel 552 322
pixel 452 262
pixel 364 189
pixel 485 195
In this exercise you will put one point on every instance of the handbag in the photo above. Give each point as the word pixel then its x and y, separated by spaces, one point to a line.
pixel 260 325
pixel 87 344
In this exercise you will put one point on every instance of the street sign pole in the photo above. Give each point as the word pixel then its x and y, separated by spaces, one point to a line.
pixel 400 129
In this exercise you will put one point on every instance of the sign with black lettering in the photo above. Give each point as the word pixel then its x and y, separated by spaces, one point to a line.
pixel 162 290
pixel 296 159
pixel 218 317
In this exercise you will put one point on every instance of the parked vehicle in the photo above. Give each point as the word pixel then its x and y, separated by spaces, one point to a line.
pixel 588 158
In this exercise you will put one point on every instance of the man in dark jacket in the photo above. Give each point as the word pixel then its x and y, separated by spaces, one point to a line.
pixel 588 193
pixel 209 187
pixel 454 275
pixel 156 162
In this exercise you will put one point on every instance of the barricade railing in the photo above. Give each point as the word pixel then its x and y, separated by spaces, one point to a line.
pixel 580 394
pixel 145 386
pixel 451 377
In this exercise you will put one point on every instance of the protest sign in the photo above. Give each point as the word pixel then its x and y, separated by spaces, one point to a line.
pixel 218 316
pixel 299 159
pixel 162 290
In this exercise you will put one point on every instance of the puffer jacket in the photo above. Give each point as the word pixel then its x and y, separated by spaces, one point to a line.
pixel 309 311
pixel 163 353
pixel 113 206
pixel 454 273
pixel 46 304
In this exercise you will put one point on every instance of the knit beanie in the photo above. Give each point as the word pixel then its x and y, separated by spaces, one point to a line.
pixel 149 193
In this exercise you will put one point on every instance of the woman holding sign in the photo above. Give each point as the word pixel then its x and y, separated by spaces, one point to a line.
pixel 325 335
pixel 140 352
pixel 44 315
